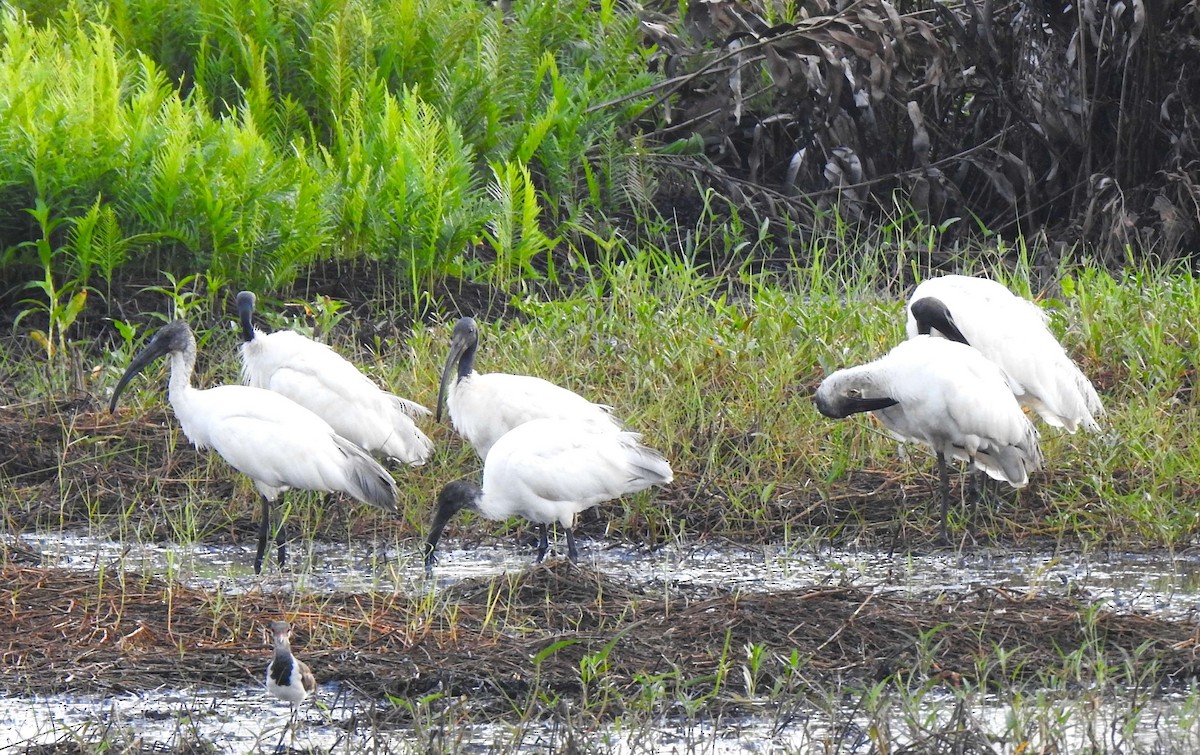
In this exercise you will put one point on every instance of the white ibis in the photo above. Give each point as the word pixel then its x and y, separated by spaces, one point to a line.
pixel 485 407
pixel 268 437
pixel 947 396
pixel 288 678
pixel 321 380
pixel 1012 332
pixel 549 470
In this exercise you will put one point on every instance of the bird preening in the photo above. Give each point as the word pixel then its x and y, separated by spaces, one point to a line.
pixel 1013 333
pixel 271 439
pixel 321 380
pixel 548 471
pixel 947 396
pixel 483 407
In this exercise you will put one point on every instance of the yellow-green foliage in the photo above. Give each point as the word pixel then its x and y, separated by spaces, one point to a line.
pixel 247 138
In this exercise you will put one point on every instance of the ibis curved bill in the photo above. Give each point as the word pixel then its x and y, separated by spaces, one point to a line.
pixel 485 407
pixel 269 438
pixel 947 396
pixel 549 470
pixel 322 381
pixel 1013 333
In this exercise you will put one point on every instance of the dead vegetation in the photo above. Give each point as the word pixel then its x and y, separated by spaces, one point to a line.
pixel 538 629
pixel 1078 120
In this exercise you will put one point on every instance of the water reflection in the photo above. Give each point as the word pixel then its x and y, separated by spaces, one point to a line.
pixel 1167 585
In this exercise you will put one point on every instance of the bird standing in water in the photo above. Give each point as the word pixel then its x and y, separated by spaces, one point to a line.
pixel 548 471
pixel 288 678
pixel 266 436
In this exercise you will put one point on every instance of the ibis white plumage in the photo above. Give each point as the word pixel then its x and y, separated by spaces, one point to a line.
pixel 1013 333
pixel 549 470
pixel 266 436
pixel 321 380
pixel 949 397
pixel 485 407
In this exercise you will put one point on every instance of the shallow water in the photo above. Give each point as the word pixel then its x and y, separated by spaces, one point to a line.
pixel 245 721
pixel 1164 585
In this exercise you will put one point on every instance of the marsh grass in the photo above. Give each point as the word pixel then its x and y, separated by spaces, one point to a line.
pixel 717 372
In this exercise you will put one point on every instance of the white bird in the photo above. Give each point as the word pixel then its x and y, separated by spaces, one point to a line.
pixel 485 407
pixel 947 396
pixel 322 381
pixel 288 678
pixel 268 437
pixel 1012 332
pixel 549 470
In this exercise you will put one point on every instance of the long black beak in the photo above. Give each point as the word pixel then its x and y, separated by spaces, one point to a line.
pixel 157 347
pixel 440 520
pixel 844 407
pixel 455 497
pixel 245 305
pixel 931 313
pixel 458 344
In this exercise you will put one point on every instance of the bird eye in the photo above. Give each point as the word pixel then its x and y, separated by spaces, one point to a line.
pixel 854 393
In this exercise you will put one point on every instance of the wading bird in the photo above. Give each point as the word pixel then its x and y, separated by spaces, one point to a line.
pixel 485 407
pixel 319 379
pixel 288 677
pixel 549 470
pixel 269 438
pixel 1012 332
pixel 946 395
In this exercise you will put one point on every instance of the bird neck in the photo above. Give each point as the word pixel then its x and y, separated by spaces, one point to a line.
pixel 182 365
pixel 283 648
pixel 466 362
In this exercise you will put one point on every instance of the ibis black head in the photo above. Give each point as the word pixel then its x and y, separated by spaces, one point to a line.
pixel 463 342
pixel 931 314
pixel 458 495
pixel 174 336
pixel 245 305
pixel 851 391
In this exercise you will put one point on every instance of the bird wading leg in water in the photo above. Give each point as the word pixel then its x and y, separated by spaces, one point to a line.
pixel 269 438
pixel 549 470
pixel 288 678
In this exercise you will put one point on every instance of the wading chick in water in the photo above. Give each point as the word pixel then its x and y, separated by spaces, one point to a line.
pixel 549 470
pixel 288 678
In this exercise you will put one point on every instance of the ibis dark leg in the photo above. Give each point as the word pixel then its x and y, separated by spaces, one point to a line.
pixel 281 541
pixel 572 551
pixel 264 527
pixel 944 481
pixel 543 542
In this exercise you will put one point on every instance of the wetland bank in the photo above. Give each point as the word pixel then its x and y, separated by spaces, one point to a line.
pixel 787 585
pixel 692 213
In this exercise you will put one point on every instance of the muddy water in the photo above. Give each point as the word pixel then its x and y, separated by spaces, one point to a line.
pixel 1163 584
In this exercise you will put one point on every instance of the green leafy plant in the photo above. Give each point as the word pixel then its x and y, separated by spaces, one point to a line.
pixel 60 302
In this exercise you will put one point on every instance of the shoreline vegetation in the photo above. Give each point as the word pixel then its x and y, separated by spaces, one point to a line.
pixel 693 233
